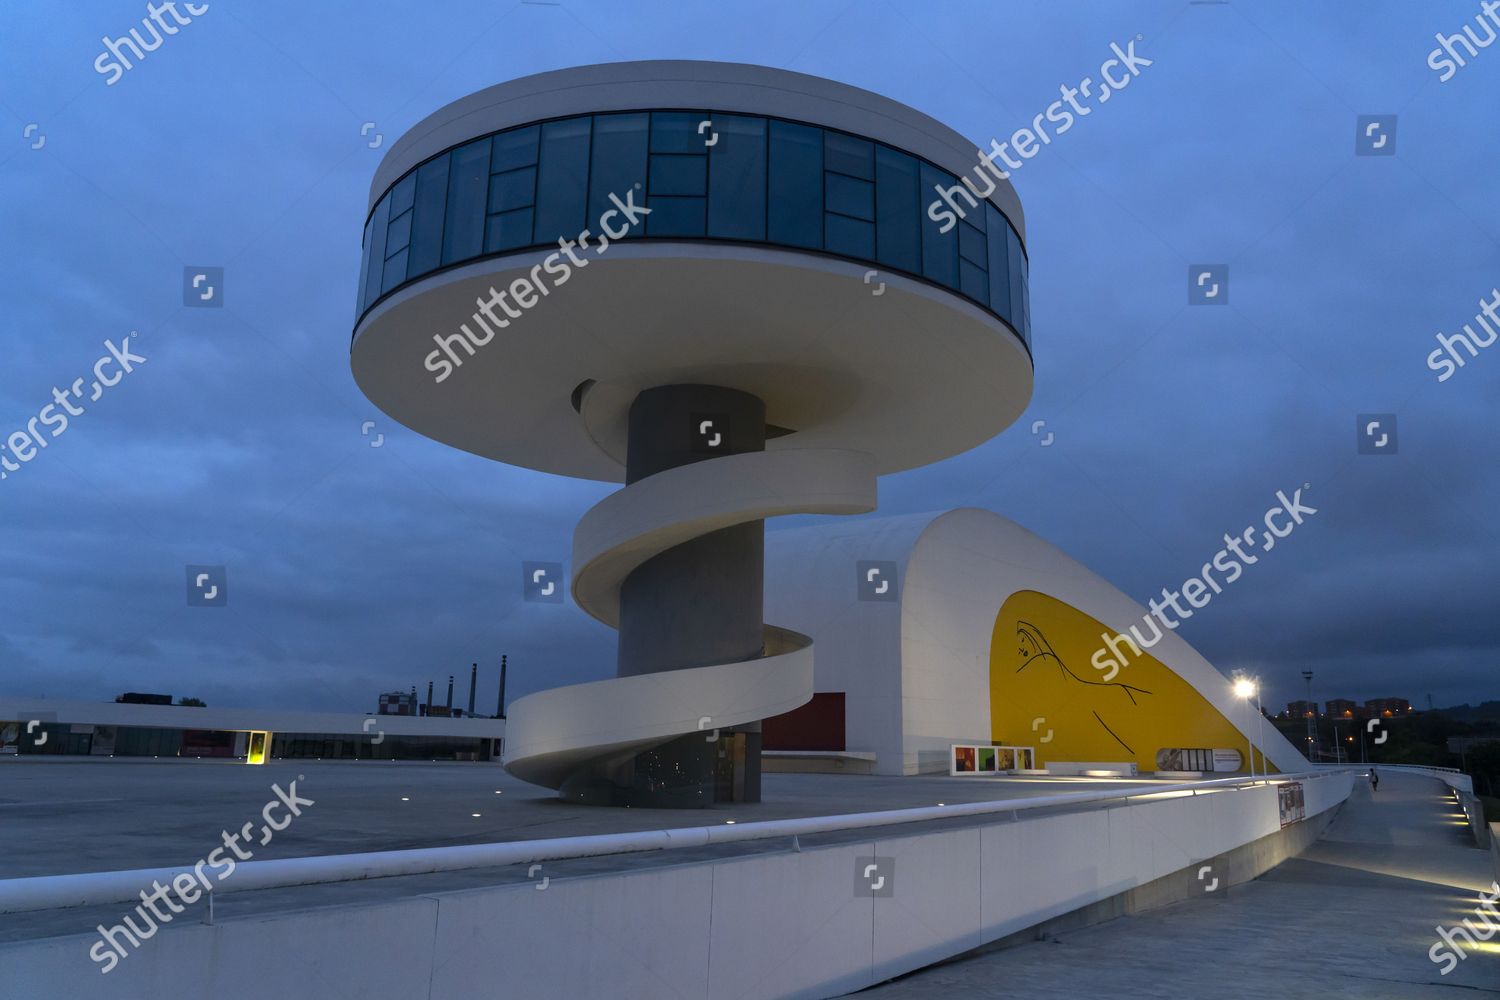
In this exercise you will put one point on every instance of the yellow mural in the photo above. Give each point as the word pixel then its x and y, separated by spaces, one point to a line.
pixel 1044 693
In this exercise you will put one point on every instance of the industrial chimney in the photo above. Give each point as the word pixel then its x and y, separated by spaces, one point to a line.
pixel 500 706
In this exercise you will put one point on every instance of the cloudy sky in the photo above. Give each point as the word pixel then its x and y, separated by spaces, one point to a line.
pixel 354 570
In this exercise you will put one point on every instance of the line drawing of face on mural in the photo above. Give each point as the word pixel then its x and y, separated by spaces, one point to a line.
pixel 1033 647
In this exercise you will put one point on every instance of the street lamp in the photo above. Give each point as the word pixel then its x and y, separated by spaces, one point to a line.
pixel 1245 688
pixel 1312 736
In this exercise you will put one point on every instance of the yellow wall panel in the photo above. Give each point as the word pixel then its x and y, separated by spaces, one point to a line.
pixel 1040 669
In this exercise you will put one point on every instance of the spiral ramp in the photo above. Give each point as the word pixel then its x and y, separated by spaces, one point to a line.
pixel 556 733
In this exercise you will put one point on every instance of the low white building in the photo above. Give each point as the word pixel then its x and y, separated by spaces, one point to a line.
pixel 988 634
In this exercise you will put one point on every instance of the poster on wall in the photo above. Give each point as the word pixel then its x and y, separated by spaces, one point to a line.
pixel 1293 809
pixel 972 758
pixel 1228 760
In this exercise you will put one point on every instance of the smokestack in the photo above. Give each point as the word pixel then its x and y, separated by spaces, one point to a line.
pixel 500 706
pixel 429 699
pixel 473 679
pixel 450 694
pixel 414 710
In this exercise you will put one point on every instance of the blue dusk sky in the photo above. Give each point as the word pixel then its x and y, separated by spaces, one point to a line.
pixel 353 570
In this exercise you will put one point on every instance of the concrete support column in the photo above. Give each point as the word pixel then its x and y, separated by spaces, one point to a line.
pixel 696 604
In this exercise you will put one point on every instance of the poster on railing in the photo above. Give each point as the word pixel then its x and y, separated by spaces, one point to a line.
pixel 1293 809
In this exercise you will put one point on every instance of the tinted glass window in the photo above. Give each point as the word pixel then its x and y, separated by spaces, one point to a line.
pixel 516 148
pixel 849 236
pixel 737 179
pixel 468 185
pixel 971 241
pixel 678 174
pixel 849 155
pixel 1025 297
pixel 399 233
pixel 973 282
pixel 850 196
pixel 939 249
pixel 379 223
pixel 760 180
pixel 796 185
pixel 364 268
pixel 563 172
pixel 512 189
pixel 1017 291
pixel 897 211
pixel 402 194
pixel 395 271
pixel 675 217
pixel 508 230
pixel 618 164
pixel 999 268
pixel 677 132
pixel 427 217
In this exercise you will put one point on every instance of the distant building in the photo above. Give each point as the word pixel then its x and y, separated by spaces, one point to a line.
pixel 398 703
pixel 1463 744
pixel 1388 707
pixel 158 729
pixel 1301 709
pixel 1342 708
pixel 136 698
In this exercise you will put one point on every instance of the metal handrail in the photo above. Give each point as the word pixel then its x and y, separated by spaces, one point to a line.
pixel 47 892
pixel 1411 767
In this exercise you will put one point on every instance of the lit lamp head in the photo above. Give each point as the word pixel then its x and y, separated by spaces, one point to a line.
pixel 1244 687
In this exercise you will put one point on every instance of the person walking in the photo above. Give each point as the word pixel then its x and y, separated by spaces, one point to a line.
pixel 1374 781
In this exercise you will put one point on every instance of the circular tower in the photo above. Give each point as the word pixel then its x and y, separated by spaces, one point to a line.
pixel 740 291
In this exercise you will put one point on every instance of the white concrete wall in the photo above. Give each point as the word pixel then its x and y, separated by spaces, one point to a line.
pixel 811 587
pixel 918 680
pixel 784 924
pixel 963 568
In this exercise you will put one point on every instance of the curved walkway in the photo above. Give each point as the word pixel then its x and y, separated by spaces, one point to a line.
pixel 1353 916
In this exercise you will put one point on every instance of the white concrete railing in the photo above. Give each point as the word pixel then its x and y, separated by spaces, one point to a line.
pixel 758 925
pixel 1452 775
pixel 47 892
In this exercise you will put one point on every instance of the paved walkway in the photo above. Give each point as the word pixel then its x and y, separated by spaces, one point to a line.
pixel 1354 916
